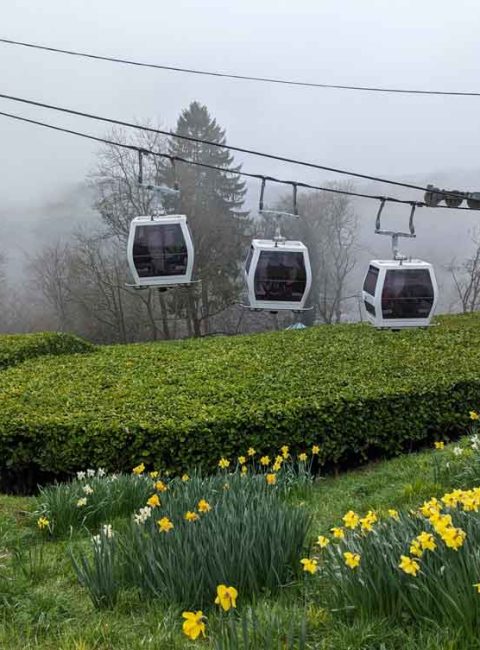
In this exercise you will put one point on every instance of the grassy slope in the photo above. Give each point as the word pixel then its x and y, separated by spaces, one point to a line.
pixel 50 611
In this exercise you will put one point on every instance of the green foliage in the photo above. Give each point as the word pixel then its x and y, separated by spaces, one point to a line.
pixel 106 498
pixel 15 348
pixel 358 392
pixel 250 539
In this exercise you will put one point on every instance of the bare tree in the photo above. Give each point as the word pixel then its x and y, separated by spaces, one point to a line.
pixel 466 278
pixel 50 273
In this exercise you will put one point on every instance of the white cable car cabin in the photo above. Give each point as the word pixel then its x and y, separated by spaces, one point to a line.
pixel 278 275
pixel 160 251
pixel 400 293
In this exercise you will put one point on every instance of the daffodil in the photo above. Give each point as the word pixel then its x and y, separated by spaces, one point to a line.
pixel 368 521
pixel 352 560
pixel 474 415
pixel 160 486
pixel 351 519
pixel 439 445
pixel 242 460
pixel 244 470
pixel 226 597
pixel 82 502
pixel 185 478
pixel 302 457
pixel 453 537
pixel 165 525
pixel 416 548
pixel 194 624
pixel 322 541
pixel 285 451
pixel 393 513
pixel 223 463
pixel 153 501
pixel 251 451
pixel 309 565
pixel 43 522
pixel 315 450
pixel 477 587
pixel 339 533
pixel 153 475
pixel 203 506
pixel 409 566
pixel 276 467
pixel 427 541
pixel 265 460
pixel 139 469
pixel 271 479
pixel 191 516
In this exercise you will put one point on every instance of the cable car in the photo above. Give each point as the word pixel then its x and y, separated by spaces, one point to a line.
pixel 160 251
pixel 400 293
pixel 278 275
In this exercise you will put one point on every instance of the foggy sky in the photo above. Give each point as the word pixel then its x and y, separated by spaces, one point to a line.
pixel 413 43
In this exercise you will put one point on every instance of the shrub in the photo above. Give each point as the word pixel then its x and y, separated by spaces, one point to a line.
pixel 247 537
pixel 15 348
pixel 359 392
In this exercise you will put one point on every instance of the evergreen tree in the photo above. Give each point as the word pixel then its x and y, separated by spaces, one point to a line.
pixel 212 201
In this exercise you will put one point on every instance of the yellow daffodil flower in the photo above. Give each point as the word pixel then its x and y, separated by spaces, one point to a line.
pixel 302 457
pixel 153 475
pixel 43 522
pixel 223 463
pixel 474 415
pixel 322 541
pixel 427 541
pixel 339 533
pixel 265 460
pixel 368 521
pixel 165 525
pixel 315 450
pixel 285 450
pixel 160 486
pixel 477 587
pixel 191 516
pixel 351 519
pixel 393 513
pixel 352 560
pixel 153 501
pixel 251 451
pixel 185 478
pixel 244 470
pixel 416 548
pixel 271 479
pixel 194 624
pixel 203 506
pixel 439 445
pixel 242 460
pixel 139 469
pixel 309 565
pixel 408 565
pixel 226 597
pixel 453 537
pixel 276 467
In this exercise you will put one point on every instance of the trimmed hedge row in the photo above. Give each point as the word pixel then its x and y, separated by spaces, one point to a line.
pixel 358 392
pixel 15 348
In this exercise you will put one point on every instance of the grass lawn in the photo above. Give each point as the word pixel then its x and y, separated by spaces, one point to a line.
pixel 43 606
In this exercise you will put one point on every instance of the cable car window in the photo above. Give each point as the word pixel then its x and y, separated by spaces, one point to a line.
pixel 370 283
pixel 280 276
pixel 407 293
pixel 160 250
pixel 249 259
pixel 370 308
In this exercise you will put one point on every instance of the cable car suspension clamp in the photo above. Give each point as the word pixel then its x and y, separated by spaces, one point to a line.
pixel 395 235
pixel 158 191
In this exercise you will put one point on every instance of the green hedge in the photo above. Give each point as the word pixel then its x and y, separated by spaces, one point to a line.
pixel 18 347
pixel 356 391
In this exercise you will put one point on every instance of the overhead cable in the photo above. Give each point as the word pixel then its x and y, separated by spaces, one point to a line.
pixel 241 77
pixel 244 150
